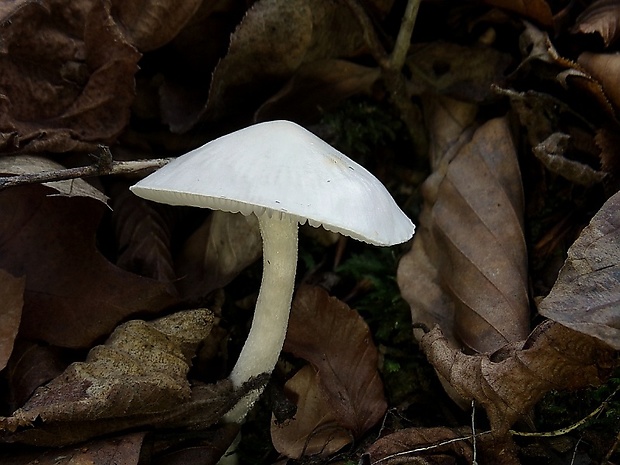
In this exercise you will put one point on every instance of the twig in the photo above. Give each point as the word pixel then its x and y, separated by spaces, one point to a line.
pixel 403 40
pixel 429 447
pixel 104 166
pixel 391 66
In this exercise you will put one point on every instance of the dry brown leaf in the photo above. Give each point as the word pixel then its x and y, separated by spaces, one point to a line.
pixel 11 303
pixel 536 10
pixel 315 429
pixel 605 68
pixel 208 450
pixel 317 87
pixel 274 39
pixel 538 47
pixel 337 342
pixel 472 274
pixel 428 446
pixel 30 164
pixel 74 296
pixel 185 87
pixel 586 295
pixel 31 365
pixel 510 382
pixel 143 238
pixel 124 450
pixel 149 25
pixel 551 153
pixel 602 17
pixel 461 72
pixel 68 76
pixel 608 141
pixel 141 370
pixel 214 255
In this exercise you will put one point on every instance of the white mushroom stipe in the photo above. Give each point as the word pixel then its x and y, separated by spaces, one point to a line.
pixel 266 338
pixel 285 175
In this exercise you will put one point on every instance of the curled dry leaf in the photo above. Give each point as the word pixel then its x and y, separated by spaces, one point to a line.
pixel 214 255
pixel 551 153
pixel 425 445
pixel 68 76
pixel 510 382
pixel 338 344
pixel 537 47
pixel 586 295
pixel 149 25
pixel 274 39
pixel 601 17
pixel 472 275
pixel 29 164
pixel 141 370
pixel 73 296
pixel 315 429
pixel 12 301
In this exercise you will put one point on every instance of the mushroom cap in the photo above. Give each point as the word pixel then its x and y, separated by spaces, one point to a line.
pixel 280 168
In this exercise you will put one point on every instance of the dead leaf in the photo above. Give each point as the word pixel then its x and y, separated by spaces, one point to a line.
pixel 68 76
pixel 601 17
pixel 586 295
pixel 461 72
pixel 608 141
pixel 212 446
pixel 511 381
pixel 222 247
pixel 12 301
pixel 604 67
pixel 149 25
pixel 317 87
pixel 141 370
pixel 315 430
pixel 472 276
pixel 551 153
pixel 542 58
pixel 31 365
pixel 124 450
pixel 536 10
pixel 427 446
pixel 274 39
pixel 143 238
pixel 337 342
pixel 185 87
pixel 451 122
pixel 29 164
pixel 74 296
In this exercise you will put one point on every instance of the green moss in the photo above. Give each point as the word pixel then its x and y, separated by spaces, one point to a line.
pixel 360 126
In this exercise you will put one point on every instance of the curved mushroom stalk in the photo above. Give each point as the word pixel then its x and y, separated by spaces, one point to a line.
pixel 266 338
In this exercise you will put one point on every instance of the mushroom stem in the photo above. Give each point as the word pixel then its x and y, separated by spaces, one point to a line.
pixel 266 338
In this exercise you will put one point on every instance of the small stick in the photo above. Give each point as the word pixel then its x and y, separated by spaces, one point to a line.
pixel 391 66
pixel 104 166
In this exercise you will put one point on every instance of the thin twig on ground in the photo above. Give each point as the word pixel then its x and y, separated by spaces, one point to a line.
pixel 104 166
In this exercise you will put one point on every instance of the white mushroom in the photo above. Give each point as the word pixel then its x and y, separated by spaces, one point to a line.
pixel 285 175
